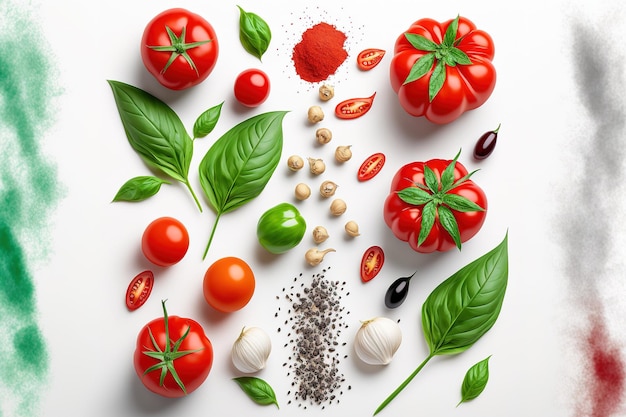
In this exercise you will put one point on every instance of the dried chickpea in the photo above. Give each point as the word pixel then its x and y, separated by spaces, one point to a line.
pixel 343 153
pixel 302 191
pixel 326 92
pixel 338 207
pixel 328 188
pixel 295 163
pixel 320 234
pixel 352 228
pixel 315 114
pixel 323 135
pixel 316 166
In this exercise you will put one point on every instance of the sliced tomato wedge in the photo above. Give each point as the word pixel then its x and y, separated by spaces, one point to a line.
pixel 139 290
pixel 372 262
pixel 354 107
pixel 371 166
pixel 369 58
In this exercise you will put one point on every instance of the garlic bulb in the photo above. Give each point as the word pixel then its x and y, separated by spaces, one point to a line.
pixel 251 350
pixel 377 340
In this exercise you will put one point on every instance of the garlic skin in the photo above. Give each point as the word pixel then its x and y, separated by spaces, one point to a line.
pixel 377 340
pixel 251 350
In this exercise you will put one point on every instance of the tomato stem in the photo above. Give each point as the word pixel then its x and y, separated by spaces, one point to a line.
pixel 206 250
pixel 193 194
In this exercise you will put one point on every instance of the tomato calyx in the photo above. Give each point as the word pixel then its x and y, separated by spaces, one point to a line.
pixel 178 48
pixel 169 354
pixel 440 55
pixel 438 202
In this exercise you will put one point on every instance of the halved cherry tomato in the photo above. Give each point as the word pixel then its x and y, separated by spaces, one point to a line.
pixel 354 107
pixel 369 58
pixel 371 166
pixel 139 290
pixel 372 262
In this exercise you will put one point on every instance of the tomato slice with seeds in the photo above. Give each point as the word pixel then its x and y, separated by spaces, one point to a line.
pixel 372 262
pixel 369 58
pixel 139 290
pixel 354 107
pixel 371 166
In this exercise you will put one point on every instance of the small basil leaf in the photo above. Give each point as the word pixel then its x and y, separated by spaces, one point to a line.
pixel 257 389
pixel 415 196
pixel 448 221
pixel 421 67
pixel 430 178
pixel 429 214
pixel 451 31
pixel 437 80
pixel 420 42
pixel 254 33
pixel 475 380
pixel 459 57
pixel 459 203
pixel 205 123
pixel 139 188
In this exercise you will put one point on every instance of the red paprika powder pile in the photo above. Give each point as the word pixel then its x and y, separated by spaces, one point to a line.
pixel 320 52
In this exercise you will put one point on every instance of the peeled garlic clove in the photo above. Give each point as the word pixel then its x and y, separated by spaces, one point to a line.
pixel 251 350
pixel 377 340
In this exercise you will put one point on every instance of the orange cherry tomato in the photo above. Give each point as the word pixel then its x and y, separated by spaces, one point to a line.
pixel 139 290
pixel 228 284
pixel 369 58
pixel 354 107
pixel 371 166
pixel 371 263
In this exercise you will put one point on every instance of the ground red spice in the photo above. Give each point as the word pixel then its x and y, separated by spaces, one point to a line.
pixel 320 52
pixel 607 373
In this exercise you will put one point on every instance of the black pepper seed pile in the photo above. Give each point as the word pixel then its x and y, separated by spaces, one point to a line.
pixel 313 331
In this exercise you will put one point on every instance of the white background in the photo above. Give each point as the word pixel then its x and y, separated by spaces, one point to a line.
pixel 91 335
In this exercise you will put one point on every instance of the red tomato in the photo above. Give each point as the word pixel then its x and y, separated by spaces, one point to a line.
pixel 228 284
pixel 369 58
pixel 165 241
pixel 354 107
pixel 371 166
pixel 424 78
pixel 252 87
pixel 173 356
pixel 434 206
pixel 372 262
pixel 139 290
pixel 179 48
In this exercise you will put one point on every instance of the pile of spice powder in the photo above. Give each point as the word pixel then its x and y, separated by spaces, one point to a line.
pixel 320 52
pixel 313 329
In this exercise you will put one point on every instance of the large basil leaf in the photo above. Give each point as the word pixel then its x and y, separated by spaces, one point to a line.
pixel 239 164
pixel 155 132
pixel 465 306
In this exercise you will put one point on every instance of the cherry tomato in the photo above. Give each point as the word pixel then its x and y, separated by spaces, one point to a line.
pixel 173 356
pixel 252 87
pixel 179 48
pixel 228 284
pixel 139 290
pixel 165 241
pixel 354 107
pixel 371 263
pixel 371 166
pixel 369 58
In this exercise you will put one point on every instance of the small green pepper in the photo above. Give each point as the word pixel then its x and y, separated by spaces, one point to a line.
pixel 281 228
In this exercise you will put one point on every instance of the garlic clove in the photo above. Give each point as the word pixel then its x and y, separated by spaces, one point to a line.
pixel 251 350
pixel 377 340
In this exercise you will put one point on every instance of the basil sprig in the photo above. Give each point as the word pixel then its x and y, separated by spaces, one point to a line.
pixel 254 33
pixel 460 310
pixel 440 55
pixel 257 389
pixel 475 380
pixel 439 202
pixel 238 166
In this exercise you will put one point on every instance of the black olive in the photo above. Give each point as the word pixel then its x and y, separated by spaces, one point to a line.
pixel 486 144
pixel 397 292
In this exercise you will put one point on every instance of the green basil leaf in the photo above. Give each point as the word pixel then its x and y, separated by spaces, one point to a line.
pixel 448 221
pixel 429 214
pixel 450 36
pixel 420 68
pixel 239 164
pixel 139 188
pixel 155 132
pixel 475 380
pixel 437 80
pixel 205 123
pixel 257 389
pixel 415 196
pixel 254 33
pixel 420 42
pixel 466 305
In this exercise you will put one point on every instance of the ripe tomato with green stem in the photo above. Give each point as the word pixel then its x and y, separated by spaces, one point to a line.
pixel 179 48
pixel 442 70
pixel 434 205
pixel 173 355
